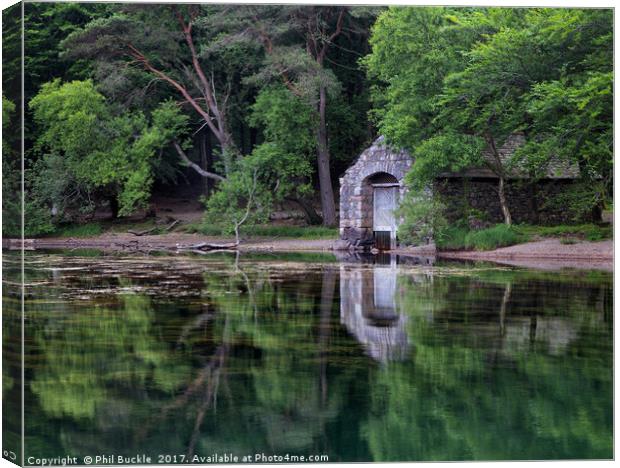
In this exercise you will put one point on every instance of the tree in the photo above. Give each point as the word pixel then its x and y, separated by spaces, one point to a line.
pixel 171 44
pixel 240 200
pixel 11 182
pixel 458 81
pixel 571 111
pixel 423 218
pixel 447 120
pixel 289 126
pixel 88 150
pixel 45 25
pixel 247 195
pixel 296 42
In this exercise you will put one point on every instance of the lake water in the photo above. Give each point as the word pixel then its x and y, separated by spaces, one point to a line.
pixel 305 354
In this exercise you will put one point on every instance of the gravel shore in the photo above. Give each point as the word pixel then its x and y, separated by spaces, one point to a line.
pixel 545 254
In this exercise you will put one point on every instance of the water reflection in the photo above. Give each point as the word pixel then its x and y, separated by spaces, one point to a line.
pixel 360 361
pixel 368 309
pixel 11 357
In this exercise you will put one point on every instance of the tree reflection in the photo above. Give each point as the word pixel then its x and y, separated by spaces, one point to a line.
pixel 360 362
pixel 11 352
pixel 290 399
pixel 483 387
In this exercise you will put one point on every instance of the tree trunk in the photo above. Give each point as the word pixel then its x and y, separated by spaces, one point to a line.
pixel 500 172
pixel 113 206
pixel 502 310
pixel 325 180
pixel 502 201
pixel 312 217
pixel 205 157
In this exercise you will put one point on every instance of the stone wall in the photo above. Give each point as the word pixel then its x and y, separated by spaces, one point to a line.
pixel 528 203
pixel 356 193
pixel 471 192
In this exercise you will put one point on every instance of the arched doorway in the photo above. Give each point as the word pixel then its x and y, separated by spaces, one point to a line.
pixel 377 175
pixel 382 196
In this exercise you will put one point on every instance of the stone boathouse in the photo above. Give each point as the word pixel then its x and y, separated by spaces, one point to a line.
pixel 369 194
pixel 371 188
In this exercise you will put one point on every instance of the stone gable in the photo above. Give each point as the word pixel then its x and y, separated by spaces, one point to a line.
pixel 356 192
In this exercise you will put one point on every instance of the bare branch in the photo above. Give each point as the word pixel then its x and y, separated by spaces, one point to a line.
pixel 141 58
pixel 195 166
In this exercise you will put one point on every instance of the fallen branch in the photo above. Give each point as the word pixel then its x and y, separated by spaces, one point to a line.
pixel 201 246
pixel 148 231
pixel 173 224
pixel 142 233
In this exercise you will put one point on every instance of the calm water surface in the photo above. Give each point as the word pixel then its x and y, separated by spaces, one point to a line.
pixel 306 354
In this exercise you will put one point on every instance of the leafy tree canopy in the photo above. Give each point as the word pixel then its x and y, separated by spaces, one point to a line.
pixel 453 81
pixel 88 147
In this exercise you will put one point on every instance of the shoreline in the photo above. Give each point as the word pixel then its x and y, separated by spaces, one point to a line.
pixel 543 254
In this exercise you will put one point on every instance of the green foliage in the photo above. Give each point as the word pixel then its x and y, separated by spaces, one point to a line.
pixel 501 235
pixel 443 153
pixel 272 231
pixel 286 120
pixel 241 199
pixel 80 41
pixel 572 109
pixel 413 50
pixel 591 232
pixel 458 238
pixel 79 230
pixel 492 238
pixel 11 180
pixel 453 238
pixel 423 218
pixel 581 200
pixel 36 215
pixel 8 108
pixel 276 169
pixel 88 149
pixel 449 81
pixel 285 157
pixel 46 25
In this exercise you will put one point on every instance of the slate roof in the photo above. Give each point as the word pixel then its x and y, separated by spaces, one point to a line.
pixel 556 169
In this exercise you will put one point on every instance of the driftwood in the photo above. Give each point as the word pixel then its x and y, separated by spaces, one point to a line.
pixel 148 231
pixel 202 246
pixel 142 233
pixel 171 225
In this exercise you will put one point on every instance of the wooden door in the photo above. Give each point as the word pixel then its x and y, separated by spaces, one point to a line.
pixel 385 199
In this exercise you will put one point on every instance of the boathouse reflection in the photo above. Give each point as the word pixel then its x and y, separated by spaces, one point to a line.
pixel 369 309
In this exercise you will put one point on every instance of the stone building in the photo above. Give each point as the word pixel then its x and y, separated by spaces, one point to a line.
pixel 371 188
pixel 369 194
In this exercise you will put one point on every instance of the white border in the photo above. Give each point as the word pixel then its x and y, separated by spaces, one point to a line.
pixel 510 3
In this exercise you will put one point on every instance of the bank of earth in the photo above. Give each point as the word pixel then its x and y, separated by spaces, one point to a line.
pixel 544 253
